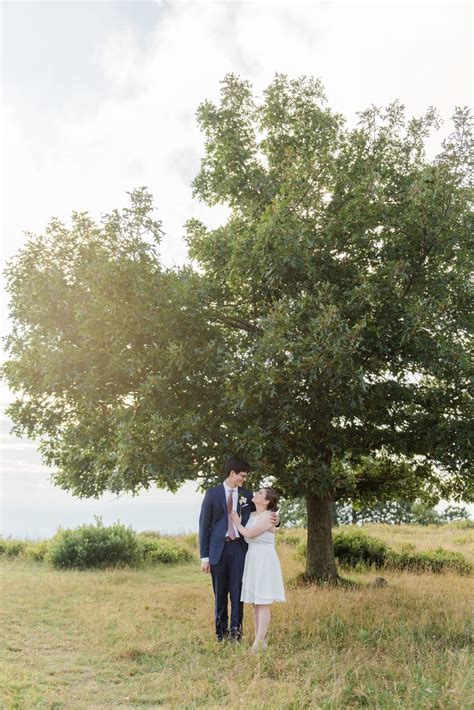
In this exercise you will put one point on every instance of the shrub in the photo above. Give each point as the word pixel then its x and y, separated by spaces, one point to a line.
pixel 94 546
pixel 165 551
pixel 36 550
pixel 150 533
pixel 435 561
pixel 12 548
pixel 147 545
pixel 354 547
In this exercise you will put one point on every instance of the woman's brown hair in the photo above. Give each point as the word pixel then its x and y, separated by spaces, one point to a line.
pixel 272 497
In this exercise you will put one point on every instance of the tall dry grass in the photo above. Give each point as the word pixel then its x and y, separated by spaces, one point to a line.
pixel 144 639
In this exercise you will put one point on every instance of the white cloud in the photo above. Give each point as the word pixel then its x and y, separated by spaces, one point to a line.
pixel 143 130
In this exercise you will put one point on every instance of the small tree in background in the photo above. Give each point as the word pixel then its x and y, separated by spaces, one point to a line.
pixel 293 513
pixel 455 512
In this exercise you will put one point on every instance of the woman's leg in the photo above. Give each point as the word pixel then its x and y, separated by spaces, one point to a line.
pixel 263 623
pixel 255 618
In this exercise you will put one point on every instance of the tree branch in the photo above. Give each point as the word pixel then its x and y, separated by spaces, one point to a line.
pixel 235 323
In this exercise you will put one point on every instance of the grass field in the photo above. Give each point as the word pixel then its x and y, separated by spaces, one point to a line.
pixel 144 638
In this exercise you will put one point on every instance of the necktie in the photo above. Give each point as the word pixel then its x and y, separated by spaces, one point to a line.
pixel 230 531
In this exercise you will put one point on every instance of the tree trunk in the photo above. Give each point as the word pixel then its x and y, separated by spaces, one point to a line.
pixel 334 518
pixel 320 564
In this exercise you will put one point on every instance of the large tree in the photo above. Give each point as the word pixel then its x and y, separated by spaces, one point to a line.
pixel 322 330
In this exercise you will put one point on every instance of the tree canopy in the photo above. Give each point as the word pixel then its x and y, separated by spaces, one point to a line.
pixel 322 330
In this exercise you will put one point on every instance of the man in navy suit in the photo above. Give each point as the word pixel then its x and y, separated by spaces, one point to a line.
pixel 222 549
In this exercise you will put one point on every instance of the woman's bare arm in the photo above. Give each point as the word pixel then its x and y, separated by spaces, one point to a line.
pixel 264 524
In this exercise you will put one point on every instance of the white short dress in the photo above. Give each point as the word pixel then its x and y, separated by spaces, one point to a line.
pixel 262 582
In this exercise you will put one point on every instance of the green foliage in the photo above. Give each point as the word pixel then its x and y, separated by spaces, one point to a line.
pixel 147 544
pixel 354 547
pixel 435 561
pixel 12 548
pixel 94 546
pixel 423 514
pixel 98 546
pixel 36 550
pixel 293 512
pixel 396 512
pixel 109 337
pixel 164 551
pixel 455 512
pixel 155 548
pixel 150 533
pixel 24 549
pixel 321 330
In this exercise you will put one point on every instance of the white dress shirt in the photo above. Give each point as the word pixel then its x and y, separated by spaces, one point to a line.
pixel 235 498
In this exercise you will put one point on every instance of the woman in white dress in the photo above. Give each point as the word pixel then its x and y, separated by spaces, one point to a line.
pixel 262 582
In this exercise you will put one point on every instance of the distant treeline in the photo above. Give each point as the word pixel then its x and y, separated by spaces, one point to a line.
pixel 293 513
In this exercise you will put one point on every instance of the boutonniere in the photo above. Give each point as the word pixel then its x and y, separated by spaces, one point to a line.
pixel 243 501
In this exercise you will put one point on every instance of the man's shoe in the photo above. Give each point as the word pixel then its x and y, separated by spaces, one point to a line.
pixel 235 635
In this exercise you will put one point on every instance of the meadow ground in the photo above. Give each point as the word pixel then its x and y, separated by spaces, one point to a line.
pixel 144 638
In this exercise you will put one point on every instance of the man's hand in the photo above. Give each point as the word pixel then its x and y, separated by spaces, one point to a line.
pixel 206 567
pixel 274 518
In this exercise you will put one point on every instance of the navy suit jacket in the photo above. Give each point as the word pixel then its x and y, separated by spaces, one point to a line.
pixel 213 521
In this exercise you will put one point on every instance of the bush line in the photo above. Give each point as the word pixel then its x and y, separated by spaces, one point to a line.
pixel 98 546
pixel 357 550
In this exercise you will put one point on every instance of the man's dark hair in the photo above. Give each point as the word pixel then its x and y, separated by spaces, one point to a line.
pixel 235 464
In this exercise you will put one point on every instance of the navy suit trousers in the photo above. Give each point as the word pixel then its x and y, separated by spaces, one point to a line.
pixel 227 581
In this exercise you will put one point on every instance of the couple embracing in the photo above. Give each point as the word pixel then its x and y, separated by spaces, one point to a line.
pixel 237 547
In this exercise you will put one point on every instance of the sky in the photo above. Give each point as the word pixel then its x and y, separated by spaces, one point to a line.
pixel 100 97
